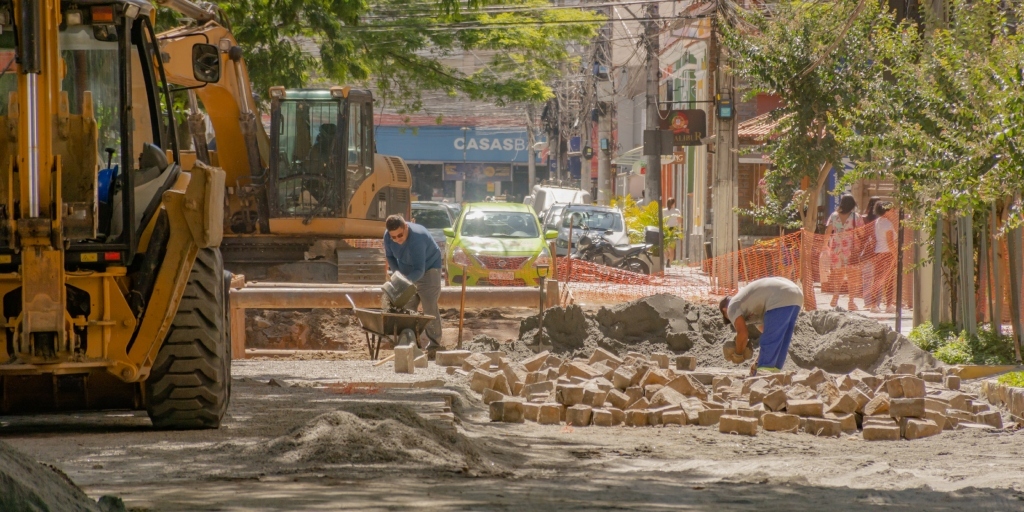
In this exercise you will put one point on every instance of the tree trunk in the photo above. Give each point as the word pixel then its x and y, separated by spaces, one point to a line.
pixel 807 252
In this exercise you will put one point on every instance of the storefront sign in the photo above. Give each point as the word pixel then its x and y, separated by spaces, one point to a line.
pixel 688 127
pixel 453 144
pixel 478 173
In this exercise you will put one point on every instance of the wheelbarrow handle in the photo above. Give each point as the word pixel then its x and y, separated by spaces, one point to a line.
pixel 350 301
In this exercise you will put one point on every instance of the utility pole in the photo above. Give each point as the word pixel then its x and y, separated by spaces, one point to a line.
pixel 652 181
pixel 531 152
pixel 604 115
pixel 724 190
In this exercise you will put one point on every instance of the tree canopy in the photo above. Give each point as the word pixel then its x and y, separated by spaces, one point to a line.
pixel 402 47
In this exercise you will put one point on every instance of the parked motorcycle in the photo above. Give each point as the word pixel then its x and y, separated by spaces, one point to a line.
pixel 598 249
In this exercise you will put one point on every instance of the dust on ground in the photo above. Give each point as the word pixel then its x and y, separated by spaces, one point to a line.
pixel 538 467
pixel 835 341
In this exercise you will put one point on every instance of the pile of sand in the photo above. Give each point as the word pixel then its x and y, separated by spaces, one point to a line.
pixel 837 342
pixel 379 433
pixel 26 485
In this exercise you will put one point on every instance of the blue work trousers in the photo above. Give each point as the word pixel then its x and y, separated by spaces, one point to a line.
pixel 778 332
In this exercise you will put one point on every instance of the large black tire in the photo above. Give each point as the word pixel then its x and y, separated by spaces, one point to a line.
pixel 636 265
pixel 190 383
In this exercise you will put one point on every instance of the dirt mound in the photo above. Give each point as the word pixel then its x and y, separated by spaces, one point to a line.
pixel 26 485
pixel 834 341
pixel 379 433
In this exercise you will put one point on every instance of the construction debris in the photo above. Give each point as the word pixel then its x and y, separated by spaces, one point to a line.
pixel 638 390
pixel 835 341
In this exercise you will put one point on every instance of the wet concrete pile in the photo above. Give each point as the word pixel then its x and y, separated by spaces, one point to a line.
pixel 637 390
pixel 837 342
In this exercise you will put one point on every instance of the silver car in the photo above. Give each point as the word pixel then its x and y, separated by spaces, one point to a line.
pixel 436 217
pixel 598 220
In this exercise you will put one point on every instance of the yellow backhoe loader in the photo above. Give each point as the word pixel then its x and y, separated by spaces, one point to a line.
pixel 301 200
pixel 113 288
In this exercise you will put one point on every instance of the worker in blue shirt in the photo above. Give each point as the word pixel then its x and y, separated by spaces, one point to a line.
pixel 411 250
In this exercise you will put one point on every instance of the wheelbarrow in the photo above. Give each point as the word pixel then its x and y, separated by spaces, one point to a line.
pixel 379 325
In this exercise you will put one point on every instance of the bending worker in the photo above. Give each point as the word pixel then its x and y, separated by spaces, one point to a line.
pixel 773 302
pixel 412 251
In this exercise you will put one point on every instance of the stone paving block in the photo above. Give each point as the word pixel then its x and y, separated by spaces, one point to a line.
pixel 536 362
pixel 845 405
pixel 775 401
pixel 939 419
pixel 642 403
pixel 933 377
pixel 451 357
pixel 634 393
pixel 651 389
pixel 709 417
pixel 578 415
pixel 688 385
pixel 704 378
pixel 662 359
pixel 667 396
pixel 877 405
pixel 500 384
pixel 479 380
pixel 654 415
pixel 913 387
pixel 828 392
pixel 808 408
pixel 539 387
pixel 674 418
pixel 847 422
pixel 550 414
pixel 583 371
pixel 686 363
pixel 602 355
pixel 991 418
pixel 622 377
pixel 822 427
pixel 619 399
pixel 618 416
pixel 979 407
pixel 531 411
pixel 874 432
pixel 907 369
pixel 569 394
pixel 490 396
pixel 729 424
pixel 476 360
pixel 636 418
pixel 656 376
pixel 906 408
pixel 952 382
pixel 780 422
pixel 601 417
pixel 917 428
pixel 594 397
pixel 507 411
pixel 751 413
pixel 405 359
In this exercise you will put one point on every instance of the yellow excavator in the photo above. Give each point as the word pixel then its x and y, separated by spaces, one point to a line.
pixel 301 201
pixel 112 282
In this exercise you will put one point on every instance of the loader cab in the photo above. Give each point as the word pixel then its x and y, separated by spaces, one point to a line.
pixel 112 131
pixel 321 150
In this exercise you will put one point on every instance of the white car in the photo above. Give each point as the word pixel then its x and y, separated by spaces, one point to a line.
pixel 597 220
pixel 436 217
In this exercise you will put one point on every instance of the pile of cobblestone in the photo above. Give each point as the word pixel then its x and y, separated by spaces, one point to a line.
pixel 661 389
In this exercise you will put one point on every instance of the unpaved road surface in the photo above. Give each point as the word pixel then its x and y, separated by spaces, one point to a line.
pixel 271 454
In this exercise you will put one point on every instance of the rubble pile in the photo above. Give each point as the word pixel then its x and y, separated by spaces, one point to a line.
pixel 664 389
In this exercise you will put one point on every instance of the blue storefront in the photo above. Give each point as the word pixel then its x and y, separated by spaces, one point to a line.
pixel 461 163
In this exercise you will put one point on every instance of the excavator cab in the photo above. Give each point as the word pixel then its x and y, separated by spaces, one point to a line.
pixel 321 150
pixel 100 229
